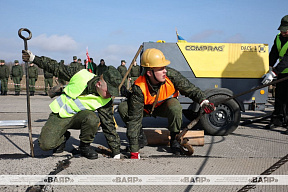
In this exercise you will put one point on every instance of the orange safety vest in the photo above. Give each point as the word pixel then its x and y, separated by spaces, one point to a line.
pixel 167 90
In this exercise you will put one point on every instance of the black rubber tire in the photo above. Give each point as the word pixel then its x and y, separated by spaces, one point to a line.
pixel 224 120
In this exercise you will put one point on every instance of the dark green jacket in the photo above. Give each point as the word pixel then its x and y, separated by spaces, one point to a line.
pixel 4 72
pixel 75 67
pixel 101 69
pixel 135 71
pixel 17 71
pixel 122 69
pixel 33 72
pixel 136 99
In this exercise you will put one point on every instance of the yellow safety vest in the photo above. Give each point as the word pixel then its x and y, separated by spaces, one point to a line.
pixel 281 50
pixel 71 101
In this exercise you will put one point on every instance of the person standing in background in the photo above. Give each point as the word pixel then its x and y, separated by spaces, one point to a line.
pixel 17 75
pixel 33 76
pixel 48 80
pixel 4 75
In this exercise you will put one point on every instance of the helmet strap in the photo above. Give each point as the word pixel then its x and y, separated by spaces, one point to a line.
pixel 155 76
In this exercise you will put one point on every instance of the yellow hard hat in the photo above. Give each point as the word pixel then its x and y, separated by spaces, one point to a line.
pixel 153 58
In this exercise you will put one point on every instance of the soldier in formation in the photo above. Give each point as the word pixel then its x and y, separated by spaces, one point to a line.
pixel 48 81
pixel 33 76
pixel 4 75
pixel 135 72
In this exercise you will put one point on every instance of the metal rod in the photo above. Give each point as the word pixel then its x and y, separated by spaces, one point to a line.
pixel 130 67
pixel 27 88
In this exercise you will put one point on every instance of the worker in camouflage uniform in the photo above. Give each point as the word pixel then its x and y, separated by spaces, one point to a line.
pixel 164 83
pixel 33 76
pixel 123 69
pixel 16 75
pixel 135 72
pixel 75 107
pixel 4 75
pixel 75 65
pixel 101 68
pixel 48 80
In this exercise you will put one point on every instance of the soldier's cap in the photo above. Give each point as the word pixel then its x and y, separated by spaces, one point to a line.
pixel 91 58
pixel 284 24
pixel 113 79
pixel 79 59
pixel 123 61
pixel 101 60
pixel 2 61
pixel 16 61
pixel 74 57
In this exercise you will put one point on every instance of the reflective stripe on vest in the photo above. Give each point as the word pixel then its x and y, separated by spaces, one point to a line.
pixel 167 90
pixel 72 102
pixel 281 50
pixel 67 106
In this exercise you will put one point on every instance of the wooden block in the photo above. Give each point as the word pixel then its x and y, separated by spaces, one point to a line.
pixel 162 137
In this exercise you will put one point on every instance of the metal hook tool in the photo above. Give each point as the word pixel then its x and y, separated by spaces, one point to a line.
pixel 27 87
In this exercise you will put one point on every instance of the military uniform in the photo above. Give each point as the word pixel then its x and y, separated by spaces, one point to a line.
pixel 170 109
pixel 33 76
pixel 101 68
pixel 134 73
pixel 123 70
pixel 4 75
pixel 16 76
pixel 48 80
pixel 75 66
pixel 54 130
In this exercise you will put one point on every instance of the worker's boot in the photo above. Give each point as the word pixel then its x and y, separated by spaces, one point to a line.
pixel 5 93
pixel 87 151
pixel 174 144
pixel 61 147
pixel 142 140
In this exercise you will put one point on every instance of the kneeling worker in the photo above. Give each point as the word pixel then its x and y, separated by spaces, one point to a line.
pixel 155 93
pixel 75 107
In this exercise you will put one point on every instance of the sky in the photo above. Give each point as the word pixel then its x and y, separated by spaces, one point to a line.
pixel 113 30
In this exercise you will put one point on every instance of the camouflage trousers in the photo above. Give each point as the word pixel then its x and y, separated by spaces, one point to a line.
pixel 48 81
pixel 17 81
pixel 52 133
pixel 171 109
pixel 4 85
pixel 32 82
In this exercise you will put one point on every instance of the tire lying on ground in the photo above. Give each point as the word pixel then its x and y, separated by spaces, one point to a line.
pixel 224 120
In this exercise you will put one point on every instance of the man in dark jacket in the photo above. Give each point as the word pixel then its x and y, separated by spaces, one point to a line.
pixel 48 80
pixel 4 75
pixel 33 76
pixel 135 72
pixel 279 52
pixel 75 107
pixel 155 93
pixel 101 68
pixel 16 76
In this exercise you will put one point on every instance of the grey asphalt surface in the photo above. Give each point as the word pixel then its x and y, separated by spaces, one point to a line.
pixel 249 150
